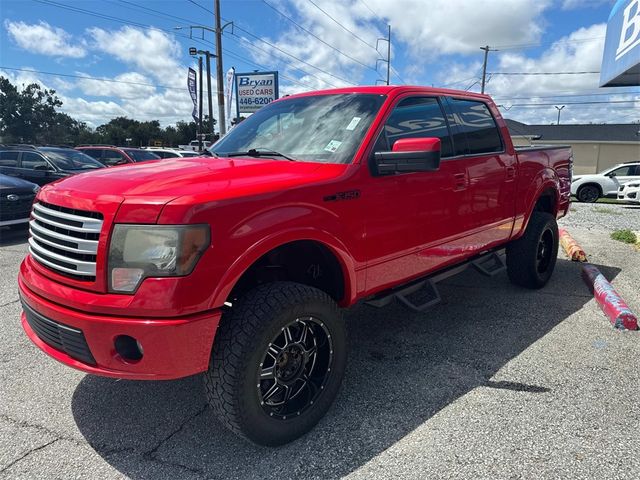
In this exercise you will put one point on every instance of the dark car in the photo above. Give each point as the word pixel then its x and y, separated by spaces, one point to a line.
pixel 16 197
pixel 43 165
pixel 110 155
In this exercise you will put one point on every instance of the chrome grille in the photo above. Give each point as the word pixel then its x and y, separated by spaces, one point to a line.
pixel 65 240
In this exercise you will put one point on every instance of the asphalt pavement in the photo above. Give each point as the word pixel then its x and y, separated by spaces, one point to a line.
pixel 494 382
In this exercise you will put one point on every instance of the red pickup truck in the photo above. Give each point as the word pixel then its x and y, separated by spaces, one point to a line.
pixel 238 264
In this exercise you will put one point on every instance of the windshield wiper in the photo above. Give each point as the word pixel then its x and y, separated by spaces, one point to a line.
pixel 257 152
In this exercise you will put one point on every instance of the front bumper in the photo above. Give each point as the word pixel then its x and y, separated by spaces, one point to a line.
pixel 173 347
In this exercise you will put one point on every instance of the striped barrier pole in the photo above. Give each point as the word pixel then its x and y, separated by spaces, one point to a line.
pixel 571 247
pixel 611 303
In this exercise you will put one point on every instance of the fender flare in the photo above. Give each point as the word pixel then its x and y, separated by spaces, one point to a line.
pixel 265 245
pixel 546 180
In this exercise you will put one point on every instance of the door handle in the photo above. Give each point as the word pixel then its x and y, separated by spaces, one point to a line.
pixel 511 173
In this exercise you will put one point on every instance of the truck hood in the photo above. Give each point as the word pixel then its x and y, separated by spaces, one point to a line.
pixel 219 178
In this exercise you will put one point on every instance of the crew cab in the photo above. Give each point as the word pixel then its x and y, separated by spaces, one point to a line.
pixel 237 265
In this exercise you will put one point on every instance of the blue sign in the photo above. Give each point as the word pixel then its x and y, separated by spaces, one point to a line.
pixel 621 60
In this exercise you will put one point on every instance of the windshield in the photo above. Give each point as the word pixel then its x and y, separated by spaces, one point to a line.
pixel 69 159
pixel 141 155
pixel 317 128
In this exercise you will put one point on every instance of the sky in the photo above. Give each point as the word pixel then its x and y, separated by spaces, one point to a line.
pixel 137 60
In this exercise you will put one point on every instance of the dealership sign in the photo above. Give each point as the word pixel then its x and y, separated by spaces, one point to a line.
pixel 255 90
pixel 621 60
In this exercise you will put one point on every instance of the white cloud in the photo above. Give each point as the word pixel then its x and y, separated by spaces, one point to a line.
pixel 151 51
pixel 125 86
pixel 45 39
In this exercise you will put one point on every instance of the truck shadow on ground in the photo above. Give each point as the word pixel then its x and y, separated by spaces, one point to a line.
pixel 404 367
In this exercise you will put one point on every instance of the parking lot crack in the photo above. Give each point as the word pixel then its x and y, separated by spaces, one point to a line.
pixel 10 303
pixel 35 449
pixel 150 454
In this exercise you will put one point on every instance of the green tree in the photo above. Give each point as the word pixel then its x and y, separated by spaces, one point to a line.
pixel 26 115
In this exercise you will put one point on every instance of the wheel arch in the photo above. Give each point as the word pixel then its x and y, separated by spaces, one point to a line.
pixel 321 250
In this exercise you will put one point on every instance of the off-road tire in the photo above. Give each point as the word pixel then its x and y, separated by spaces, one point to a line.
pixel 588 193
pixel 244 334
pixel 524 265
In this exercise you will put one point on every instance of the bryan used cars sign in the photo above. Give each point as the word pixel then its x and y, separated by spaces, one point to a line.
pixel 621 60
pixel 255 90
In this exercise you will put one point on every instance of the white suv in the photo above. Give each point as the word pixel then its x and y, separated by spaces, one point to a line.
pixel 630 192
pixel 588 188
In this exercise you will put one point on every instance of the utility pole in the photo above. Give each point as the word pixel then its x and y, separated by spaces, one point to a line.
pixel 200 105
pixel 208 56
pixel 388 53
pixel 220 81
pixel 484 65
pixel 559 110
pixel 388 60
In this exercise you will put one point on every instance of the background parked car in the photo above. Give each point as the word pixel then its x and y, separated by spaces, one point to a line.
pixel 172 152
pixel 110 155
pixel 42 165
pixel 588 188
pixel 630 192
pixel 16 197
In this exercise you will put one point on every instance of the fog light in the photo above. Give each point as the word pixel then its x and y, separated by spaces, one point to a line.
pixel 128 348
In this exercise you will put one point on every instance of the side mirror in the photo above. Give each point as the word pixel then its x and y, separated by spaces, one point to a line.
pixel 410 155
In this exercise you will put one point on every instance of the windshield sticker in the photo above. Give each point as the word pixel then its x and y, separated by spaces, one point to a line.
pixel 332 146
pixel 353 123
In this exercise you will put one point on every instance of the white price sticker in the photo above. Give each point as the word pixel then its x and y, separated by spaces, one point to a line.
pixel 353 123
pixel 332 146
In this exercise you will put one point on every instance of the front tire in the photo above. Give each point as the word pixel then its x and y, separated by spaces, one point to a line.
pixel 532 258
pixel 277 362
pixel 588 194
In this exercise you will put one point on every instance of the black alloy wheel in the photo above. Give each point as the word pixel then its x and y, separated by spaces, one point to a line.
pixel 295 368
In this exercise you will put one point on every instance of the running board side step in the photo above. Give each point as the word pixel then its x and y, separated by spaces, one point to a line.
pixel 421 294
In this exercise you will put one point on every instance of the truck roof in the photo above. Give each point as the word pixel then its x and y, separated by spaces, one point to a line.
pixel 395 89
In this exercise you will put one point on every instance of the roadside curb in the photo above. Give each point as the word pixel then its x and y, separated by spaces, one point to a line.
pixel 610 301
pixel 571 247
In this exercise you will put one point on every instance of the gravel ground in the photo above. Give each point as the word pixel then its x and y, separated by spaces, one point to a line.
pixel 495 382
pixel 602 216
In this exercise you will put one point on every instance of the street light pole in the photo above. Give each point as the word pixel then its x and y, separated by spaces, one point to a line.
pixel 208 56
pixel 559 110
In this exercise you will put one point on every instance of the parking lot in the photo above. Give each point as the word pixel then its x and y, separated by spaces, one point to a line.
pixel 494 382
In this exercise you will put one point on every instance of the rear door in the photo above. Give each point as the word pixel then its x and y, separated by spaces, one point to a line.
pixel 35 168
pixel 487 207
pixel 9 163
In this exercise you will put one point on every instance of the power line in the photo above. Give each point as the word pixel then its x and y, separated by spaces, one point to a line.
pixel 543 73
pixel 372 11
pixel 140 25
pixel 86 77
pixel 595 102
pixel 315 36
pixel 565 95
pixel 539 44
pixel 279 49
pixel 342 26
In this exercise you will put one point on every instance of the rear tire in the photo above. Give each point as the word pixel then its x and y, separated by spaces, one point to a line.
pixel 588 194
pixel 532 258
pixel 277 362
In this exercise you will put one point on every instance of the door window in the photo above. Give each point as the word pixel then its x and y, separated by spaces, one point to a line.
pixel 476 130
pixel 8 159
pixel 112 157
pixel 31 161
pixel 626 171
pixel 93 152
pixel 416 117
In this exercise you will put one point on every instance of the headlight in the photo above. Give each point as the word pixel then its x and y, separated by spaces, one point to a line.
pixel 140 251
pixel 633 185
